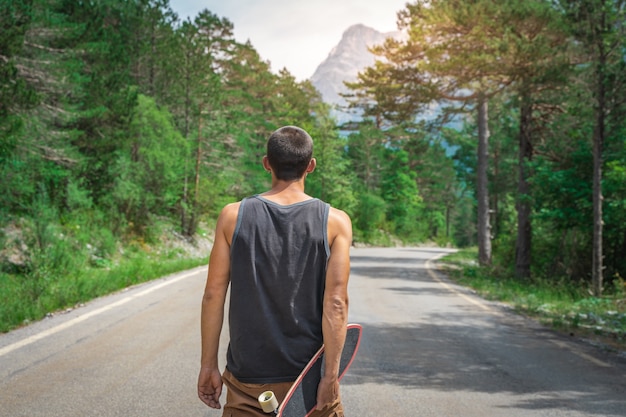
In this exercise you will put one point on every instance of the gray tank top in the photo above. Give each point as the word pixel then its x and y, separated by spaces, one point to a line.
pixel 279 256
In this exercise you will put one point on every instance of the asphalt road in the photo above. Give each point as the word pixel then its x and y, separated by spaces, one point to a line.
pixel 429 348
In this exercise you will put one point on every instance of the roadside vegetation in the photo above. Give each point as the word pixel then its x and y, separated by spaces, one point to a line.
pixel 563 305
pixel 493 123
pixel 67 272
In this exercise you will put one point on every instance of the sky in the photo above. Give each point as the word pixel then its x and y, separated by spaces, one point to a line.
pixel 295 34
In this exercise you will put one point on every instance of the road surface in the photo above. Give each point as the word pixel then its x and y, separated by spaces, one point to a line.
pixel 430 348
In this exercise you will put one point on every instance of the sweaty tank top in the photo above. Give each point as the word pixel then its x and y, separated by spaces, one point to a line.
pixel 279 256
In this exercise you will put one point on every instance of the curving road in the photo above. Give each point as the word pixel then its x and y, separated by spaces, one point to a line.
pixel 430 348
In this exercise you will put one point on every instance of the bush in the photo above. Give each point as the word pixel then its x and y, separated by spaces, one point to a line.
pixel 370 216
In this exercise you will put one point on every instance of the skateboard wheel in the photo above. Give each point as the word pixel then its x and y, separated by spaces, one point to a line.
pixel 268 401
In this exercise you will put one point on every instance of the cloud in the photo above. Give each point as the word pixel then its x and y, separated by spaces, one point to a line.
pixel 295 34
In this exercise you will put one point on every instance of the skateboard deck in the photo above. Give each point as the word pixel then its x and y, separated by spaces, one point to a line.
pixel 301 398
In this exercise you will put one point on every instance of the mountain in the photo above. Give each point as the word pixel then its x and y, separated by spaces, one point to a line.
pixel 345 61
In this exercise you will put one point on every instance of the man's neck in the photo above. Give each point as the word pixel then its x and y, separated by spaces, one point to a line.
pixel 286 192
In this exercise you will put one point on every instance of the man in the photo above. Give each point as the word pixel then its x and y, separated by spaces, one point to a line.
pixel 286 257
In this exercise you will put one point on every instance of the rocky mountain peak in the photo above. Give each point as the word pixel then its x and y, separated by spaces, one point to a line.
pixel 346 60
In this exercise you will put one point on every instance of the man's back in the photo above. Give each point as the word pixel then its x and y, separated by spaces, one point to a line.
pixel 279 255
pixel 289 160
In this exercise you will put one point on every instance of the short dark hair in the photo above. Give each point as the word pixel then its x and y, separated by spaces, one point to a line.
pixel 289 151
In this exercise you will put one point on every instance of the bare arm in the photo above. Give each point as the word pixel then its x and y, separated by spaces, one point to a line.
pixel 212 316
pixel 335 314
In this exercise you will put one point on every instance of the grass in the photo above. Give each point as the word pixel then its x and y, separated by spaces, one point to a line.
pixel 556 303
pixel 71 260
pixel 27 298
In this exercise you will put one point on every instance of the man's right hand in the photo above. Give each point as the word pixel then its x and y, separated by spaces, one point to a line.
pixel 210 386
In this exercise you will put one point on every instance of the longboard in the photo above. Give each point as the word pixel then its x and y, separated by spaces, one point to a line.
pixel 301 398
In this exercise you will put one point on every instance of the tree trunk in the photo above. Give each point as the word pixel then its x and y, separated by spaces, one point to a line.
pixel 524 227
pixel 187 109
pixel 598 143
pixel 495 197
pixel 482 192
pixel 194 202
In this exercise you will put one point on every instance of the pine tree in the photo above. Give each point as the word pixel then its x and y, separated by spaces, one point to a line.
pixel 468 51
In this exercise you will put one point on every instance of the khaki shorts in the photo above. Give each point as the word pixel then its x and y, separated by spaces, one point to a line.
pixel 242 399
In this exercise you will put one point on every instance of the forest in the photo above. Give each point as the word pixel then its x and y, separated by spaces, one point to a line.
pixel 492 123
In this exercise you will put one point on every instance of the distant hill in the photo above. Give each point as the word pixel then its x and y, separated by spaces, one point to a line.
pixel 345 61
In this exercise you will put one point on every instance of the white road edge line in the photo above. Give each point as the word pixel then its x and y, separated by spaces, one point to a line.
pixel 76 320
pixel 434 276
pixel 582 355
pixel 559 343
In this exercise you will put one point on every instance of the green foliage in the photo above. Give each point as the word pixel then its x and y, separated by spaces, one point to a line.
pixel 464 223
pixel 332 180
pixel 15 91
pixel 370 216
pixel 27 298
pixel 399 190
pixel 116 117
pixel 563 304
pixel 149 168
pixel 365 149
pixel 408 169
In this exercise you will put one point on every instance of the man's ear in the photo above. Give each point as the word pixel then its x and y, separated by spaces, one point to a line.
pixel 312 165
pixel 266 164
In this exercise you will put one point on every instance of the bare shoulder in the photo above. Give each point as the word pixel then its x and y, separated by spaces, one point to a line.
pixel 339 216
pixel 227 220
pixel 339 225
pixel 230 210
